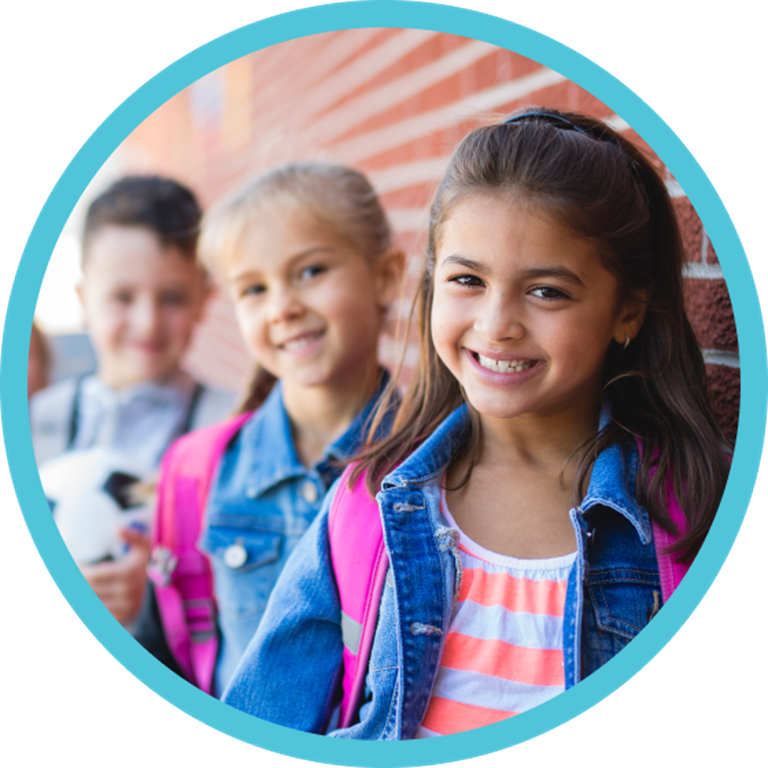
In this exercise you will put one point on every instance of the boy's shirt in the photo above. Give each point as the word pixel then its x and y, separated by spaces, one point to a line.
pixel 140 421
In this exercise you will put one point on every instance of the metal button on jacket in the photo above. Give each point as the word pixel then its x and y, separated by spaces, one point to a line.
pixel 309 492
pixel 235 555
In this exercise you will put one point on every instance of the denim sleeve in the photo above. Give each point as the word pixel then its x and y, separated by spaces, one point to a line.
pixel 291 669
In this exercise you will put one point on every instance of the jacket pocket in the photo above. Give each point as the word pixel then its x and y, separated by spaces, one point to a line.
pixel 245 567
pixel 618 604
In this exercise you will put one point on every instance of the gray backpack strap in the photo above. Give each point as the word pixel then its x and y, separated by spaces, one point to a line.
pixel 53 415
pixel 74 414
pixel 210 406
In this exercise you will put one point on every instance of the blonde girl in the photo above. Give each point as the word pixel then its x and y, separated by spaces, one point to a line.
pixel 306 254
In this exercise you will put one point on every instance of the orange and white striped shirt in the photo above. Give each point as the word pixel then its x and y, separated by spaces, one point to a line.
pixel 504 649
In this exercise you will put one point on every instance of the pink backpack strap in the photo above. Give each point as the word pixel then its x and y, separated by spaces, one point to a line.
pixel 671 571
pixel 360 564
pixel 181 574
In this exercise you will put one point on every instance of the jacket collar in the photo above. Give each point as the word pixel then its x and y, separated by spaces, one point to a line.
pixel 270 426
pixel 433 455
pixel 611 485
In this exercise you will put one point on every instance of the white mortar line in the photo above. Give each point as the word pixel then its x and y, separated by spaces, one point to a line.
pixel 718 357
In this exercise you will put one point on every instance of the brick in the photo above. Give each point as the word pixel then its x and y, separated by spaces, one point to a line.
pixel 723 388
pixel 709 309
pixel 691 229
pixel 416 196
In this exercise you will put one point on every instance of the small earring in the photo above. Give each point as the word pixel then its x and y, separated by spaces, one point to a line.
pixel 626 341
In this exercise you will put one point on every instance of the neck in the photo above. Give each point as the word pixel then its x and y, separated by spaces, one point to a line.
pixel 319 415
pixel 116 381
pixel 549 439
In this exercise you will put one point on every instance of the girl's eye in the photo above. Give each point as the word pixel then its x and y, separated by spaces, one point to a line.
pixel 548 292
pixel 470 281
pixel 122 297
pixel 311 271
pixel 253 290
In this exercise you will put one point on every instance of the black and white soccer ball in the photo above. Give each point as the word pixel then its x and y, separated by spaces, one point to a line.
pixel 92 494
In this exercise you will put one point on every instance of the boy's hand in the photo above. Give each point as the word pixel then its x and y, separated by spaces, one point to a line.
pixel 119 584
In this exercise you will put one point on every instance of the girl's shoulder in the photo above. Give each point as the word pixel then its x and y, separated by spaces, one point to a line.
pixel 197 450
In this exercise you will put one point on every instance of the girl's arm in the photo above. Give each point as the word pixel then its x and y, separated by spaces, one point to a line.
pixel 290 672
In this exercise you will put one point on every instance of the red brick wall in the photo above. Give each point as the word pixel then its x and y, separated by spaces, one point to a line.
pixel 393 103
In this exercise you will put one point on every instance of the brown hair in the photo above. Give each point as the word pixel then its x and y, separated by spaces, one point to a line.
pixel 602 187
pixel 165 207
pixel 335 196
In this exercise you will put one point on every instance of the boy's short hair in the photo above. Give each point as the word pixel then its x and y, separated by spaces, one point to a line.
pixel 162 205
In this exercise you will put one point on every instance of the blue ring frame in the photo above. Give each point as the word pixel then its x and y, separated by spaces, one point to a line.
pixel 326 18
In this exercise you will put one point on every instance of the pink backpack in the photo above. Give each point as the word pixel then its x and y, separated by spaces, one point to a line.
pixel 183 578
pixel 180 572
pixel 361 569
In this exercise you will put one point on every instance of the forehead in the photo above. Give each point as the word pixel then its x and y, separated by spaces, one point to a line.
pixel 506 232
pixel 271 241
pixel 119 254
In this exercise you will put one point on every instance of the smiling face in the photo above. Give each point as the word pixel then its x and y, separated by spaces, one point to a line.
pixel 523 311
pixel 141 301
pixel 309 305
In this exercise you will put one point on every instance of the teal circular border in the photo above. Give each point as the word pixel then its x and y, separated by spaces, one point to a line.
pixel 414 15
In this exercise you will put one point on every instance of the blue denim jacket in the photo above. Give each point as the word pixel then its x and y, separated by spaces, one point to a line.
pixel 291 670
pixel 262 502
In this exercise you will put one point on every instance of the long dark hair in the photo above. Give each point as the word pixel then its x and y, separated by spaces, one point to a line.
pixel 598 184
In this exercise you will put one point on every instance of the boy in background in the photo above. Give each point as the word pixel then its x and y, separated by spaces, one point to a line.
pixel 143 292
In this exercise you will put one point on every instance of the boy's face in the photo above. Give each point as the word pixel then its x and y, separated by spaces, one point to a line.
pixel 141 302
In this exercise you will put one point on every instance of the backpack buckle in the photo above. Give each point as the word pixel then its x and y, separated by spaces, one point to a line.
pixel 161 566
pixel 201 619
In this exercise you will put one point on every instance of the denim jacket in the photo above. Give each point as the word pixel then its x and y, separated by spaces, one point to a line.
pixel 291 670
pixel 262 502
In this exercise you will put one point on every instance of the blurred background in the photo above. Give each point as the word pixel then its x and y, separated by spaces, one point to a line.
pixel 392 102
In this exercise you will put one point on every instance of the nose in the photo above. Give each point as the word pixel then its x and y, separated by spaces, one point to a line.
pixel 284 305
pixel 146 315
pixel 500 318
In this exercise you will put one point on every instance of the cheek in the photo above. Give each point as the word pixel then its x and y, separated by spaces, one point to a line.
pixel 447 325
pixel 251 325
pixel 352 305
pixel 107 322
pixel 182 320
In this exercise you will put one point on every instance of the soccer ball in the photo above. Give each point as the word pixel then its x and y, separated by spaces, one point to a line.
pixel 92 496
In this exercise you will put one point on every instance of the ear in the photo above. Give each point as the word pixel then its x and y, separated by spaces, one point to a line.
pixel 388 276
pixel 80 291
pixel 208 290
pixel 630 317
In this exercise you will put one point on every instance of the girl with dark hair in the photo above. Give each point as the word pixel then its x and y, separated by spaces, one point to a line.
pixel 556 431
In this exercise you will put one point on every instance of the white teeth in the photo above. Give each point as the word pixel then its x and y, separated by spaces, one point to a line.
pixel 292 346
pixel 505 366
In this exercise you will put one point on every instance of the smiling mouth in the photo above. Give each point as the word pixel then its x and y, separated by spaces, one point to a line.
pixel 300 342
pixel 149 347
pixel 503 366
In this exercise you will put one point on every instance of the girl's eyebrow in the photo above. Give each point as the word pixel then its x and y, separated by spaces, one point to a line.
pixel 463 261
pixel 250 271
pixel 544 272
pixel 310 252
pixel 527 274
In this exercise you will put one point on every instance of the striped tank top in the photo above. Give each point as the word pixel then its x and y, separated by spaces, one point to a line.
pixel 504 649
